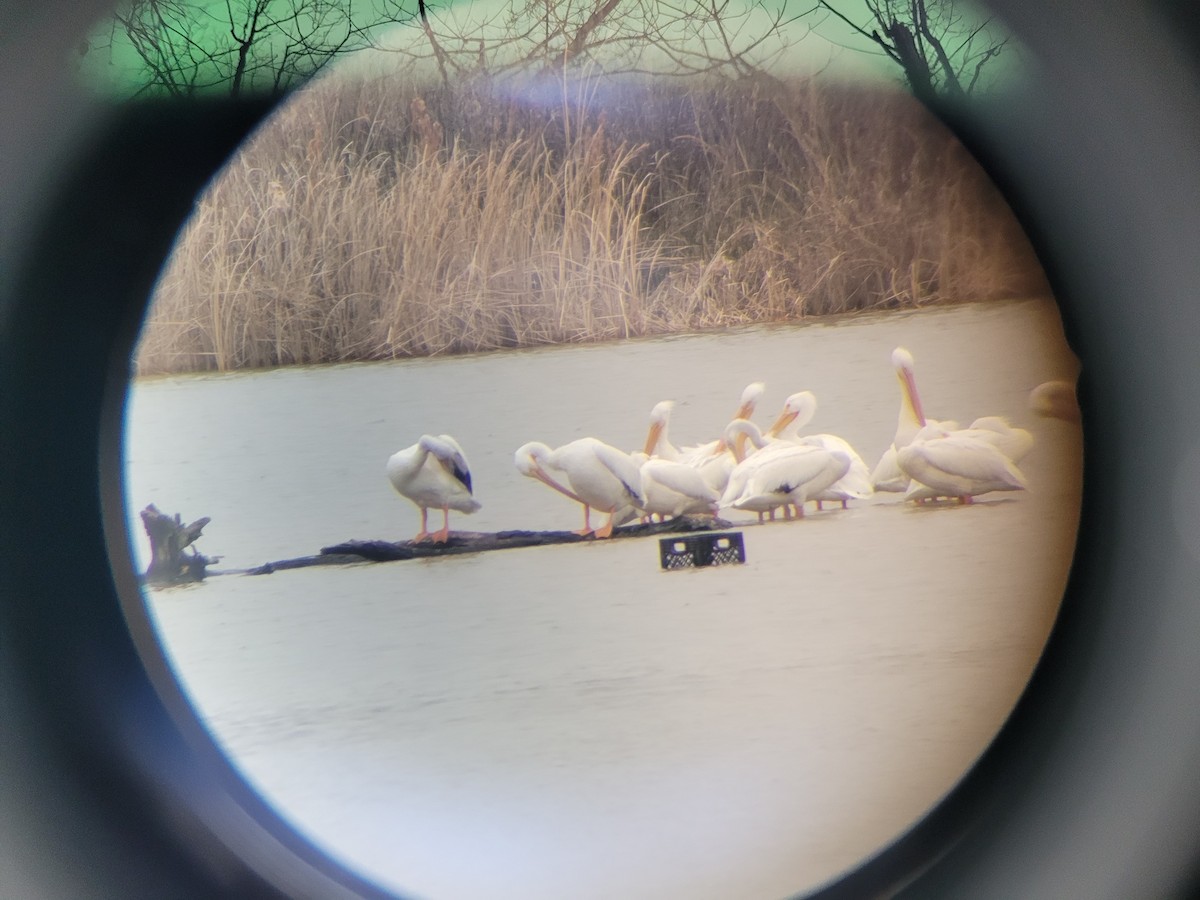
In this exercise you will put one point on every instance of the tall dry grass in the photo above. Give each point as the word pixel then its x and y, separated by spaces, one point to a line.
pixel 375 219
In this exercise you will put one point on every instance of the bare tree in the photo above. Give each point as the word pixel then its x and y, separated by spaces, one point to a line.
pixel 732 38
pixel 189 46
pixel 942 46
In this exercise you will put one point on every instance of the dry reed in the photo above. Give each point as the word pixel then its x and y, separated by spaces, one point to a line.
pixel 375 220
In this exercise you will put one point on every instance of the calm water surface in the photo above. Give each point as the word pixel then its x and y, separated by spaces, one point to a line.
pixel 569 720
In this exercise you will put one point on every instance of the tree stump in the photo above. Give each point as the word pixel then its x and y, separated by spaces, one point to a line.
pixel 169 539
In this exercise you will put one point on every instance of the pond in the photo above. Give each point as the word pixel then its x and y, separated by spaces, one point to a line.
pixel 570 720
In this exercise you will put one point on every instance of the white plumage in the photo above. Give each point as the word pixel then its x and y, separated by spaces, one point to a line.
pixel 674 489
pixel 956 464
pixel 798 410
pixel 433 472
pixel 779 473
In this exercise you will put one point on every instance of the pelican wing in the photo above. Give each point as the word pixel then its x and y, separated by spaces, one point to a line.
pixel 788 472
pixel 447 451
pixel 680 478
pixel 963 459
pixel 622 467
pixel 1014 443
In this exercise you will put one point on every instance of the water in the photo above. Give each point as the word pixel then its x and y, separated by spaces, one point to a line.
pixel 569 720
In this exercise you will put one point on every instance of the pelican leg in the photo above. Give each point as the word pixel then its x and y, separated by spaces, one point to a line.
pixel 819 506
pixel 844 504
pixel 787 511
pixel 760 517
pixel 423 533
pixel 440 537
pixel 587 522
pixel 606 529
pixel 800 510
pixel 965 499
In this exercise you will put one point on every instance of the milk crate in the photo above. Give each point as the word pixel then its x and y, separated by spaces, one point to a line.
pixel 709 549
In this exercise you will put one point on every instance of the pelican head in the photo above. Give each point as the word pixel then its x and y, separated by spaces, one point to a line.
pixel 910 400
pixel 660 417
pixel 531 460
pixel 798 411
pixel 737 433
pixel 750 397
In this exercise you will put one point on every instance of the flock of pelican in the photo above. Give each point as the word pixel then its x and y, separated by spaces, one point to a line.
pixel 744 468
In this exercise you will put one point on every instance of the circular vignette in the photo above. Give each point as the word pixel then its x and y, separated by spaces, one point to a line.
pixel 1089 791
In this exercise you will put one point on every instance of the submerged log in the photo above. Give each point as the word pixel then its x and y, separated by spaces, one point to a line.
pixel 354 551
pixel 170 563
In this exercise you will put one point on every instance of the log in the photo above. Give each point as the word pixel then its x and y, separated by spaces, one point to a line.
pixel 355 551
pixel 170 540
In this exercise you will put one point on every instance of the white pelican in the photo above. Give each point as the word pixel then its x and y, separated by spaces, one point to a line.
pixel 956 464
pixel 1055 400
pixel 433 472
pixel 600 476
pixel 887 475
pixel 798 411
pixel 780 473
pixel 674 489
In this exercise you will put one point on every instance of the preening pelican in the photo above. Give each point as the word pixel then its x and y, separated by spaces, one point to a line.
pixel 433 472
pixel 674 489
pixel 780 473
pixel 1055 400
pixel 798 410
pixel 601 477
pixel 956 464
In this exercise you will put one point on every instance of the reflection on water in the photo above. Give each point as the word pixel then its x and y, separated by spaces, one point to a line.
pixel 569 720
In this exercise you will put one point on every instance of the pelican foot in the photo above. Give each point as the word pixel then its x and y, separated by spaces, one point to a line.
pixel 583 532
pixel 603 531
pixel 441 536
pixel 420 536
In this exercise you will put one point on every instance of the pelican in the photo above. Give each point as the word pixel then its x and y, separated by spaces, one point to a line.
pixel 956 464
pixel 433 472
pixel 798 411
pixel 675 489
pixel 600 477
pixel 887 475
pixel 780 474
pixel 1055 400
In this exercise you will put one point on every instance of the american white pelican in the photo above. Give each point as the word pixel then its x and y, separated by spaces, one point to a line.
pixel 600 477
pixel 780 473
pixel 433 472
pixel 956 464
pixel 1055 400
pixel 887 475
pixel 675 489
pixel 798 410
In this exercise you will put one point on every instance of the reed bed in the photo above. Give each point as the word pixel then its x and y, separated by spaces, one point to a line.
pixel 377 219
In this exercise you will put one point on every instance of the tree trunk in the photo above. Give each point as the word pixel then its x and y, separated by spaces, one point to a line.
pixel 169 537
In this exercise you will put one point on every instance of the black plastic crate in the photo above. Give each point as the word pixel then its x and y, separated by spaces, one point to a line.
pixel 709 549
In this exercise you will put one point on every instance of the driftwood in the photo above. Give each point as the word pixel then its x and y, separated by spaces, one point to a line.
pixel 468 542
pixel 170 563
